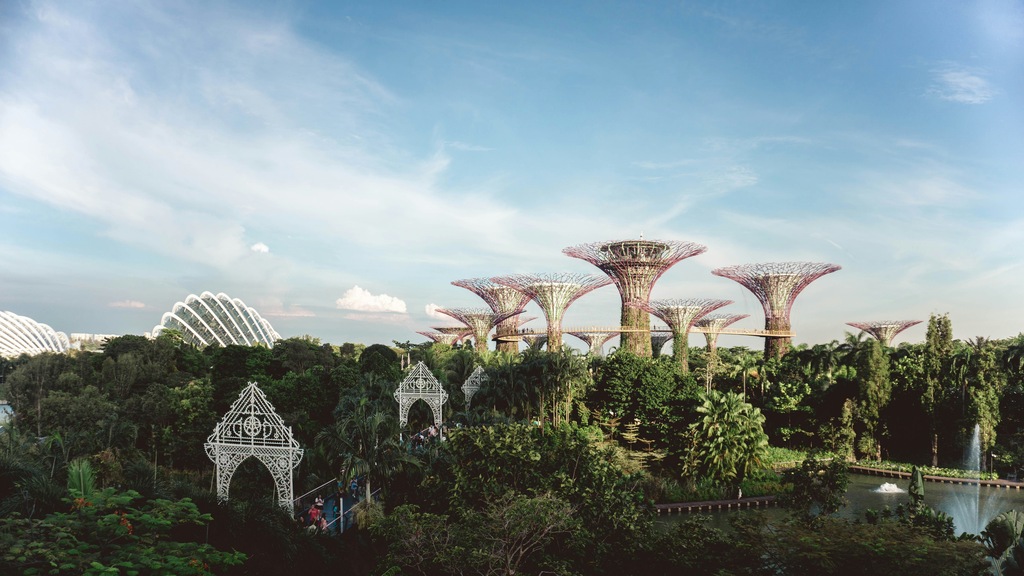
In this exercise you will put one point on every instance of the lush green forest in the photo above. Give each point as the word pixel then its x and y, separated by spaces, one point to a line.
pixel 554 467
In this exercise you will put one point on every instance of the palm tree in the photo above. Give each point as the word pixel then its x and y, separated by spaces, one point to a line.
pixel 730 438
pixel 565 371
pixel 745 364
pixel 365 441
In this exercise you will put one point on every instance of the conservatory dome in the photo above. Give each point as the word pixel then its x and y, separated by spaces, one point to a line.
pixel 208 319
pixel 21 335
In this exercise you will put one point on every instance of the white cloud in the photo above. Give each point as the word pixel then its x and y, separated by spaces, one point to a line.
pixel 955 83
pixel 431 310
pixel 127 304
pixel 260 248
pixel 361 300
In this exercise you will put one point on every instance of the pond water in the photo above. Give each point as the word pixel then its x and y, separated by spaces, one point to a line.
pixel 970 506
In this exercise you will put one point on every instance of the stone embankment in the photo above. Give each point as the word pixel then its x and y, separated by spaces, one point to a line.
pixel 766 501
pixel 1007 484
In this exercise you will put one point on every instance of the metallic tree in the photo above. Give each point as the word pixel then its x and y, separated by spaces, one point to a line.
pixel 535 341
pixel 595 340
pixel 680 314
pixel 502 300
pixel 658 340
pixel 884 330
pixel 712 326
pixel 480 320
pixel 634 266
pixel 776 285
pixel 554 293
pixel 459 332
pixel 440 337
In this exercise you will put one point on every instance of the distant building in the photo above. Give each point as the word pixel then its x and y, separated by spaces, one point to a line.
pixel 91 342
pixel 22 335
pixel 217 319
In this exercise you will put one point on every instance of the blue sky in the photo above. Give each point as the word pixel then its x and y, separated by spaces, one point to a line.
pixel 336 165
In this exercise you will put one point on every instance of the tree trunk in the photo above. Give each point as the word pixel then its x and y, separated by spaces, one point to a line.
pixel 935 449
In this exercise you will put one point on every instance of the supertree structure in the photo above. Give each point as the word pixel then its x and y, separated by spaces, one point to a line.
pixel 553 292
pixel 502 300
pixel 520 320
pixel 884 330
pixel 439 337
pixel 634 266
pixel 479 320
pixel 680 314
pixel 459 332
pixel 712 325
pixel 776 285
pixel 535 341
pixel 595 340
pixel 658 340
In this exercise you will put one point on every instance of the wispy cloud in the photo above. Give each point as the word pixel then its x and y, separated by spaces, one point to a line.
pixel 127 304
pixel 957 83
pixel 188 172
pixel 359 299
pixel 465 147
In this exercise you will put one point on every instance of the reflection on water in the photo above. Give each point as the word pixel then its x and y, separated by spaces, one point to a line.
pixel 863 494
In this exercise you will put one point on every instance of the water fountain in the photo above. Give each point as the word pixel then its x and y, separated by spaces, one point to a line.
pixel 971 507
pixel 889 488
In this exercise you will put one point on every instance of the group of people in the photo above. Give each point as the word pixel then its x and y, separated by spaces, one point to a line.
pixel 316 520
pixel 424 437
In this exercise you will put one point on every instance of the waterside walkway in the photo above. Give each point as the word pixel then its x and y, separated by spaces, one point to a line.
pixel 714 505
pixel 1007 484
pixel 766 501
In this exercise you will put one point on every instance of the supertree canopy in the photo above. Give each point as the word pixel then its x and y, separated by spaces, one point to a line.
pixel 554 292
pixel 440 337
pixel 713 324
pixel 776 285
pixel 479 320
pixel 634 266
pixel 884 330
pixel 595 340
pixel 502 300
pixel 680 314
pixel 460 332
pixel 658 340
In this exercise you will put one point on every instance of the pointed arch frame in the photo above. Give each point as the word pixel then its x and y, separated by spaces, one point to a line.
pixel 252 429
pixel 420 384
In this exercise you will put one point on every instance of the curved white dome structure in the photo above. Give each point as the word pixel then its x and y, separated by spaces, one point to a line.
pixel 21 335
pixel 207 319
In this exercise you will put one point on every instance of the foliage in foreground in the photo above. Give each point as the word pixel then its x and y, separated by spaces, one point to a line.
pixel 110 533
pixel 481 471
pixel 511 535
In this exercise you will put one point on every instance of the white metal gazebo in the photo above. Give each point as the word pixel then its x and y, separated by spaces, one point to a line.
pixel 420 384
pixel 252 428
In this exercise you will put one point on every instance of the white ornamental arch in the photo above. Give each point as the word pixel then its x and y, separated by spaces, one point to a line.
pixel 420 384
pixel 252 429
pixel 473 384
